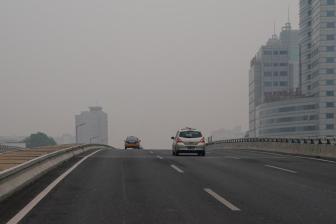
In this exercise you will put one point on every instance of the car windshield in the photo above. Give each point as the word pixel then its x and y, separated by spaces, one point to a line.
pixel 132 139
pixel 190 134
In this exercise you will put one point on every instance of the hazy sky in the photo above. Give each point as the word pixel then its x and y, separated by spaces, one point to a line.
pixel 154 65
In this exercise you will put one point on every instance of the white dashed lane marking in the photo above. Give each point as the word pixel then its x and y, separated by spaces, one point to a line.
pixel 176 168
pixel 282 169
pixel 222 200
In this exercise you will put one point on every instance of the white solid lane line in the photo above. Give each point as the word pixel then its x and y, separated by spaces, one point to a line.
pixel 19 216
pixel 287 156
pixel 282 169
pixel 316 159
pixel 159 157
pixel 222 200
pixel 176 168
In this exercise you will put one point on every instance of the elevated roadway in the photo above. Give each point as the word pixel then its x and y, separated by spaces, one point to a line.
pixel 151 186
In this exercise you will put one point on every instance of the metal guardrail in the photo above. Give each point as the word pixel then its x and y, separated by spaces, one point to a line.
pixel 311 141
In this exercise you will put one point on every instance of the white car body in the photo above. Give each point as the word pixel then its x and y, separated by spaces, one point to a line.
pixel 188 140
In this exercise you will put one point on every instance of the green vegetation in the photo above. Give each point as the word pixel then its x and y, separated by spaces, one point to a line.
pixel 39 139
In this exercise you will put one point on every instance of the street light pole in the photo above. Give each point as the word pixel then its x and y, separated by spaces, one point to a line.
pixel 78 126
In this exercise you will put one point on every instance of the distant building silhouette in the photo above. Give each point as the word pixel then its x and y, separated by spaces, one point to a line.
pixel 92 126
pixel 65 139
pixel 222 134
pixel 13 141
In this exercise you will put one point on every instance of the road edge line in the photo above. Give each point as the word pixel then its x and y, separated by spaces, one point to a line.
pixel 23 212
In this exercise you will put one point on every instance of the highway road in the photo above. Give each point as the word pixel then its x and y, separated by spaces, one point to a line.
pixel 151 186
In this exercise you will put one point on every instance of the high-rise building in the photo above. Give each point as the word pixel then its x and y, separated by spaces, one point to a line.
pixel 92 126
pixel 310 111
pixel 274 73
pixel 290 38
pixel 318 53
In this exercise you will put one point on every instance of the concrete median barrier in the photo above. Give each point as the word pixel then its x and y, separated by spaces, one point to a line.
pixel 314 150
pixel 16 177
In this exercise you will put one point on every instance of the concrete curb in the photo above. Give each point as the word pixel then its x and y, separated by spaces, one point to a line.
pixel 15 178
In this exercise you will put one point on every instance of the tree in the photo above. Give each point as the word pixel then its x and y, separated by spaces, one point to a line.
pixel 39 139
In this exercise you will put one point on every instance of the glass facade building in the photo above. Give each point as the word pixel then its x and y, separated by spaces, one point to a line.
pixel 274 72
pixel 318 50
pixel 296 117
pixel 311 113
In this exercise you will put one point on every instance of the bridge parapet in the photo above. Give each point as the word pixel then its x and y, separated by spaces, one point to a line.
pixel 318 141
pixel 21 167
pixel 315 147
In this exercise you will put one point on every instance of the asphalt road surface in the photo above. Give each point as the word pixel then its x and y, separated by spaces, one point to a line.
pixel 152 186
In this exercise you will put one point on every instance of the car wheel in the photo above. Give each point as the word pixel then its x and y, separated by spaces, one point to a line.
pixel 202 153
pixel 176 153
pixel 125 148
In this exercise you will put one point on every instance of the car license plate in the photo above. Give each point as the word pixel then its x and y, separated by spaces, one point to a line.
pixel 191 147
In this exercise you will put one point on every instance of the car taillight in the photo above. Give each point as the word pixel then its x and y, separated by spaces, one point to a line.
pixel 178 140
pixel 202 140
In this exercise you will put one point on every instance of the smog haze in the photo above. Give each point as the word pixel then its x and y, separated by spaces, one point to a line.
pixel 153 65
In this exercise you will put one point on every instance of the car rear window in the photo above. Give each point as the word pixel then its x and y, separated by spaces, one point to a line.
pixel 190 134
